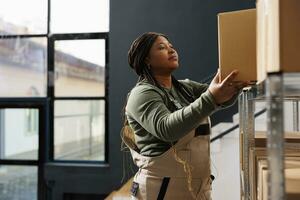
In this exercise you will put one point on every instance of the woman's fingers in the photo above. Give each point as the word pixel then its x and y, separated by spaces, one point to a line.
pixel 228 80
pixel 226 89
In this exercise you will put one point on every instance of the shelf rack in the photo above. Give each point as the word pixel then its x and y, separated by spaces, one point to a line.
pixel 277 88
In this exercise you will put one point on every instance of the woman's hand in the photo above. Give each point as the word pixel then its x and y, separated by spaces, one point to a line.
pixel 223 91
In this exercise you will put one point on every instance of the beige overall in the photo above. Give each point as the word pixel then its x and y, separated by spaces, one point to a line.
pixel 194 150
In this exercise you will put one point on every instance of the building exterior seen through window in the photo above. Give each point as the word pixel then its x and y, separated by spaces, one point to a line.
pixel 32 122
pixel 19 134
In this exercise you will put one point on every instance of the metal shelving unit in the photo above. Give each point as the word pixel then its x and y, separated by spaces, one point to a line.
pixel 274 91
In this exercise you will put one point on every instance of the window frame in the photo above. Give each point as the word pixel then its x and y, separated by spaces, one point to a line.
pixel 42 106
pixel 53 98
pixel 45 163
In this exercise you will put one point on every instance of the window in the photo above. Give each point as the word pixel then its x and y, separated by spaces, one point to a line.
pixel 79 128
pixel 53 89
pixel 78 64
pixel 17 143
pixel 79 68
pixel 90 16
pixel 23 17
pixel 19 151
pixel 23 67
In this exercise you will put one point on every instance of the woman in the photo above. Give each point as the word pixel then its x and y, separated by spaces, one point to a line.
pixel 167 123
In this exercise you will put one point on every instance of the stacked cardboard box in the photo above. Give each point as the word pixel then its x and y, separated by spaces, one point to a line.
pixel 259 171
pixel 260 41
pixel 278 41
pixel 258 154
pixel 292 180
pixel 290 138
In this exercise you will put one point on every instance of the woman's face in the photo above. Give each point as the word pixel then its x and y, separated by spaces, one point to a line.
pixel 162 57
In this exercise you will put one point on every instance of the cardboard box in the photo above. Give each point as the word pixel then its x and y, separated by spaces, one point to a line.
pixel 261 175
pixel 290 137
pixel 258 162
pixel 278 41
pixel 261 36
pixel 292 181
pixel 237 44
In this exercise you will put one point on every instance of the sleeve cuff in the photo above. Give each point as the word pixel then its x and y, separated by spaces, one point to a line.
pixel 211 98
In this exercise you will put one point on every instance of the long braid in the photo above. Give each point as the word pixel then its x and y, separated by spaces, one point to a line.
pixel 154 82
pixel 183 90
pixel 186 166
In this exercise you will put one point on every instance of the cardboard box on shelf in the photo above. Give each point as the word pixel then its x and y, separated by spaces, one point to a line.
pixel 261 174
pixel 237 43
pixel 278 41
pixel 261 38
pixel 292 180
pixel 258 172
pixel 290 137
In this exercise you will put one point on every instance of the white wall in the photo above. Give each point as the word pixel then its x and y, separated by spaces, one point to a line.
pixel 16 139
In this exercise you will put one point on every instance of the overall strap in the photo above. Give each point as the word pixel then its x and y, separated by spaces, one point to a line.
pixel 163 188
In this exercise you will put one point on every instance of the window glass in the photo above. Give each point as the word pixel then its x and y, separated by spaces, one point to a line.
pixel 23 17
pixel 69 16
pixel 80 68
pixel 23 68
pixel 18 182
pixel 19 134
pixel 79 127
